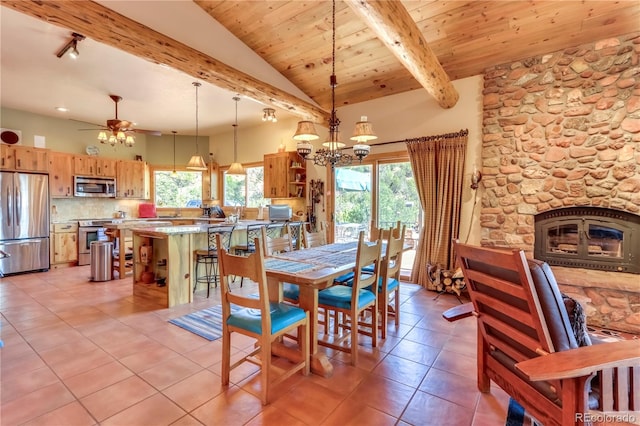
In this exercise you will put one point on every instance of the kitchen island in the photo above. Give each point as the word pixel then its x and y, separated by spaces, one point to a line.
pixel 163 260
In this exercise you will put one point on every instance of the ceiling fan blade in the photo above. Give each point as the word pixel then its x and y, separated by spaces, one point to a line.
pixel 87 122
pixel 147 132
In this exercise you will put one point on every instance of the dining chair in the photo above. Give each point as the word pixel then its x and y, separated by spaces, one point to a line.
pixel 295 230
pixel 376 233
pixel 271 246
pixel 389 281
pixel 315 239
pixel 208 256
pixel 350 303
pixel 262 320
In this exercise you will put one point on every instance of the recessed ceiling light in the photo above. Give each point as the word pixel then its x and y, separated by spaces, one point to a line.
pixel 62 109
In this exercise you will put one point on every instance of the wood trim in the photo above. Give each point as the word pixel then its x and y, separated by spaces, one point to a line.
pixel 113 29
pixel 393 25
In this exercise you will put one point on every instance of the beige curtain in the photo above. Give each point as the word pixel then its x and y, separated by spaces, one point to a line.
pixel 438 165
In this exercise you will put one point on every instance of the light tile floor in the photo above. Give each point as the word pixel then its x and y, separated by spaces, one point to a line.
pixel 84 353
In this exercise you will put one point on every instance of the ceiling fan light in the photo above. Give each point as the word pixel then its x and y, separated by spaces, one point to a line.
pixel 236 169
pixel 196 163
pixel 113 140
pixel 306 131
pixel 129 141
pixel 121 137
pixel 102 137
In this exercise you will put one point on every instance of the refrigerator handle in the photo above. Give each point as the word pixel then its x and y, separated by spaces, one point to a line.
pixel 9 209
pixel 18 199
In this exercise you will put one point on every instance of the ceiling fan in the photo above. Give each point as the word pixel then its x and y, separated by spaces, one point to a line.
pixel 120 129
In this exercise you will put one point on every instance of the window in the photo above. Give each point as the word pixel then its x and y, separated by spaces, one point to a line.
pixel 245 190
pixel 184 189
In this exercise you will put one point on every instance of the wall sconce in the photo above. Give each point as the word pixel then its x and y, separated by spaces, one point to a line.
pixel 476 177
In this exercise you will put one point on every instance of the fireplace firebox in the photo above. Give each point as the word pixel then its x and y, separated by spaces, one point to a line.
pixel 589 237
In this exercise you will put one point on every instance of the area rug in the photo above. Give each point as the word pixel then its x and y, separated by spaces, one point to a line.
pixel 206 323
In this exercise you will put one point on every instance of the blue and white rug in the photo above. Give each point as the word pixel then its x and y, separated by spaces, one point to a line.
pixel 206 323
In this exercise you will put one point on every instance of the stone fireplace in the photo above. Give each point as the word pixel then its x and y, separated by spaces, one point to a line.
pixel 562 131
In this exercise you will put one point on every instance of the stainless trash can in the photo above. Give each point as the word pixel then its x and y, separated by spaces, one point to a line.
pixel 101 258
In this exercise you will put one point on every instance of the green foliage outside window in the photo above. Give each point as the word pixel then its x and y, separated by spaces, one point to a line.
pixel 177 191
pixel 245 190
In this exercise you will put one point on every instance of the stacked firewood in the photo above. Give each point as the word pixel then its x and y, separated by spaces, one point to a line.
pixel 446 280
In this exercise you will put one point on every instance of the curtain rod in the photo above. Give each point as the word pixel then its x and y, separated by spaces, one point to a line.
pixel 462 132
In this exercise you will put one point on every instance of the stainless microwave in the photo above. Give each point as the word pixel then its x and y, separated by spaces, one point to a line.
pixel 90 186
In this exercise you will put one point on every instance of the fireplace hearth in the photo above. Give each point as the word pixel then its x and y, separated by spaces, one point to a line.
pixel 589 237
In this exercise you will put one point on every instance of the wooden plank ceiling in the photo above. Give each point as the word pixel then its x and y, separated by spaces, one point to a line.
pixel 295 37
pixel 466 37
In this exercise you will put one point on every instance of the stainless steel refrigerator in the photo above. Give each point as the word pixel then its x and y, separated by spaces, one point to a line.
pixel 24 222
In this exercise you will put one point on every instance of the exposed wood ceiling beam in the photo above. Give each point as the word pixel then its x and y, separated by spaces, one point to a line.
pixel 394 27
pixel 109 27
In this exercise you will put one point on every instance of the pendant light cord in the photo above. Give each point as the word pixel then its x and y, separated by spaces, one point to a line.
pixel 334 122
pixel 235 132
pixel 197 84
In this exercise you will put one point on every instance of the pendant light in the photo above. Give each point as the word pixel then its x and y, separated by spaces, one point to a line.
pixel 236 168
pixel 196 162
pixel 174 173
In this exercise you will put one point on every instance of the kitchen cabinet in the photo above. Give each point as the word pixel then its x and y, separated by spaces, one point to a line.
pixel 61 169
pixel 132 179
pixel 64 243
pixel 24 158
pixel 90 165
pixel 284 175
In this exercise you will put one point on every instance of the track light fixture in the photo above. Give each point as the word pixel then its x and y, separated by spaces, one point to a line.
pixel 71 46
pixel 269 114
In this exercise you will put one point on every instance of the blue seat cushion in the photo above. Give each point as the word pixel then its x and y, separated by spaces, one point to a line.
pixel 391 284
pixel 282 316
pixel 343 279
pixel 290 291
pixel 340 297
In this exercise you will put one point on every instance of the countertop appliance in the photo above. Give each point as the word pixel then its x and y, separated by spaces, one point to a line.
pixel 89 186
pixel 24 222
pixel 90 230
pixel 279 212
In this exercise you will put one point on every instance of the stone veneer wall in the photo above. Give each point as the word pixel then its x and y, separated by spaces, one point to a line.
pixel 563 130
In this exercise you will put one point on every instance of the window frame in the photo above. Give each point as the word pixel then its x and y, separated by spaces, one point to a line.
pixel 152 187
pixel 221 183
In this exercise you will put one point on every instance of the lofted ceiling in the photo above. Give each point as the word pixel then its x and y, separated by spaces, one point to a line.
pixel 273 53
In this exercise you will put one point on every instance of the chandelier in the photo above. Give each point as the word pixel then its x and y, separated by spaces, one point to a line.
pixel 269 114
pixel 331 151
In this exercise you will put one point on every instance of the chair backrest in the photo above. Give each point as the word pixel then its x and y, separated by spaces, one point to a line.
pixel 376 233
pixel 504 296
pixel 252 267
pixel 390 268
pixel 295 231
pixel 315 239
pixel 224 231
pixel 369 254
pixel 276 245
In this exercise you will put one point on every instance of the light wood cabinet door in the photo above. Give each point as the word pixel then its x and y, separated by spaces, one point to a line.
pixel 64 243
pixel 31 159
pixel 61 174
pixel 132 180
pixel 85 165
pixel 7 157
pixel 275 175
pixel 106 167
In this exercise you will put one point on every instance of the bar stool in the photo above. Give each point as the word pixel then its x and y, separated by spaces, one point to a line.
pixel 208 257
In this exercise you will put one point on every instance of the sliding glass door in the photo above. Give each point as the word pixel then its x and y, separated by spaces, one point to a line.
pixel 381 193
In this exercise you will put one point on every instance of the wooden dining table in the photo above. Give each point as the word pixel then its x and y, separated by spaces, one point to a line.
pixel 312 270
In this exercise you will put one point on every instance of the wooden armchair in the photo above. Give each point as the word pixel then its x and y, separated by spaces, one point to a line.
pixel 526 344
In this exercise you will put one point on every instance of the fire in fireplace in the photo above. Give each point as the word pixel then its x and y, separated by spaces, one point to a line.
pixel 589 237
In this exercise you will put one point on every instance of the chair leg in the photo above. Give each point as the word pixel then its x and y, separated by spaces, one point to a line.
pixel 226 355
pixel 265 369
pixel 354 338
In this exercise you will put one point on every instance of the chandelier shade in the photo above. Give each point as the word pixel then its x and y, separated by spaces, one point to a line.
pixel 331 151
pixel 196 162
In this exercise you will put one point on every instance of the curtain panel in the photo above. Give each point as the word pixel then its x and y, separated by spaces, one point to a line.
pixel 438 167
